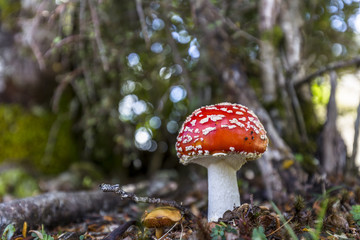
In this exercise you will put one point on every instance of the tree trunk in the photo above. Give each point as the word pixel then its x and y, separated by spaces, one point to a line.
pixel 351 165
pixel 333 149
pixel 268 12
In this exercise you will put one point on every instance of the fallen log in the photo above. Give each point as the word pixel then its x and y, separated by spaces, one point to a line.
pixel 56 208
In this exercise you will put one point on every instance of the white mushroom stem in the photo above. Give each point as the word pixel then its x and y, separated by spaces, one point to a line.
pixel 223 192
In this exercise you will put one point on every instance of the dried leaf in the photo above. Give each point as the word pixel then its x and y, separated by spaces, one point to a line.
pixel 24 229
pixel 39 234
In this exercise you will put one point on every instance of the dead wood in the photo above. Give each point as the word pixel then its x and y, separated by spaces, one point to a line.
pixel 131 196
pixel 332 146
pixel 118 232
pixel 55 208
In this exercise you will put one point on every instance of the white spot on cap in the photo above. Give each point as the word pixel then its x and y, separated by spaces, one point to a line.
pixel 207 130
pixel 243 119
pixel 235 121
pixel 188 129
pixel 239 113
pixel 188 148
pixel 197 130
pixel 212 107
pixel 193 122
pixel 255 129
pixel 219 154
pixel 232 149
pixel 197 112
pixel 187 140
pixel 213 118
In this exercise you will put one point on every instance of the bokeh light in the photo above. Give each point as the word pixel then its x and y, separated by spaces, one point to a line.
pixel 177 93
pixel 133 59
pixel 143 138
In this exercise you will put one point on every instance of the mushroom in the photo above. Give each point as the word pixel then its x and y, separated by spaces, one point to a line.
pixel 161 217
pixel 221 137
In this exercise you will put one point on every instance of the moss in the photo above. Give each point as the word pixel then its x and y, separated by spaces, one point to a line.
pixel 17 182
pixel 274 35
pixel 24 137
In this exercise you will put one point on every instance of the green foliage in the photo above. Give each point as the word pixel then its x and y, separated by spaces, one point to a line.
pixel 219 231
pixel 258 234
pixel 320 220
pixel 320 92
pixel 286 225
pixel 17 182
pixel 26 137
pixel 355 212
pixel 274 35
pixel 9 11
pixel 8 232
pixel 91 44
pixel 299 203
pixel 41 235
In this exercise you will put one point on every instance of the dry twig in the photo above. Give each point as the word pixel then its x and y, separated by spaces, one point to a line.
pixel 140 12
pixel 279 227
pixel 131 196
pixel 61 43
pixel 99 42
pixel 118 232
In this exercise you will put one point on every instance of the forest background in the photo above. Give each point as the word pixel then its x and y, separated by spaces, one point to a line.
pixel 94 90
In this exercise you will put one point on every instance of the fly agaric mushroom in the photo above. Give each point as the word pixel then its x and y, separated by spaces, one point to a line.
pixel 161 217
pixel 221 137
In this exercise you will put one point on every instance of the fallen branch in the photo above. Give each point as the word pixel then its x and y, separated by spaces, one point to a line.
pixel 131 196
pixel 55 208
pixel 330 67
pixel 118 232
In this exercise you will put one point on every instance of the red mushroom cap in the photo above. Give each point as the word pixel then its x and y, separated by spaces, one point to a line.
pixel 219 130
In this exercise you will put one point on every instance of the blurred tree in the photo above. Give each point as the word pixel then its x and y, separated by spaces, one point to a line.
pixel 134 69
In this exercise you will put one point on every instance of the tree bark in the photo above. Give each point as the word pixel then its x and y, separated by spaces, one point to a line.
pixel 351 165
pixel 55 208
pixel 333 149
pixel 268 12
pixel 291 23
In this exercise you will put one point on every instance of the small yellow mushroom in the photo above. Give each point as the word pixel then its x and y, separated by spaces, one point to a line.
pixel 161 217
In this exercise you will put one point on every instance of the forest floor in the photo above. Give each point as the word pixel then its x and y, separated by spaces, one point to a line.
pixel 326 211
